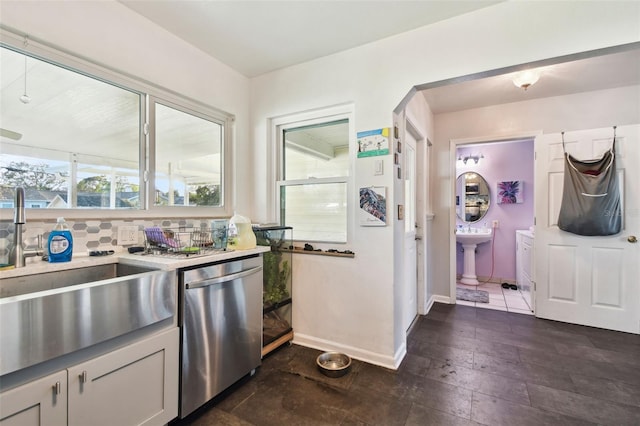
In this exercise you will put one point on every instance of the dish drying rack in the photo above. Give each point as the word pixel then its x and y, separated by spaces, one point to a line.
pixel 180 241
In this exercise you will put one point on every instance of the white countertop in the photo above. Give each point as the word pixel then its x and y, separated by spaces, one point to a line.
pixel 526 232
pixel 174 262
pixel 37 266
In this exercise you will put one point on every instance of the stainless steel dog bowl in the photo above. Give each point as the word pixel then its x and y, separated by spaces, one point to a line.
pixel 333 364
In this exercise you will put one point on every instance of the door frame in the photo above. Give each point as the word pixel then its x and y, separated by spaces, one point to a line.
pixel 421 171
pixel 453 145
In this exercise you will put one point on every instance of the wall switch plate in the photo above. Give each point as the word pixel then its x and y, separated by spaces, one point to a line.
pixel 378 170
pixel 495 224
pixel 127 235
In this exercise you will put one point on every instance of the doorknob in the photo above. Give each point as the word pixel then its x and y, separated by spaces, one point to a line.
pixel 632 239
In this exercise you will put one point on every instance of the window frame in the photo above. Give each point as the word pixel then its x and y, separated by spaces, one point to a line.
pixel 147 91
pixel 326 115
pixel 224 209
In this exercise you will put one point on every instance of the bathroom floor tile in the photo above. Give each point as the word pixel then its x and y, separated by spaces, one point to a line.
pixel 500 299
pixel 516 303
pixel 520 311
pixel 467 286
pixel 497 300
pixel 492 290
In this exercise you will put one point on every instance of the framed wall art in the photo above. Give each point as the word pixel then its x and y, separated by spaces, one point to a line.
pixel 373 206
pixel 373 142
pixel 510 192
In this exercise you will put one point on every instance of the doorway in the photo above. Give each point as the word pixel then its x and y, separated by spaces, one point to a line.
pixel 413 196
pixel 493 196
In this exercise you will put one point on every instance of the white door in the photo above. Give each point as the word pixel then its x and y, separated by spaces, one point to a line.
pixel 410 291
pixel 588 280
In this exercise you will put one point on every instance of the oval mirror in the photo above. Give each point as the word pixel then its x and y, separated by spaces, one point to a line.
pixel 472 197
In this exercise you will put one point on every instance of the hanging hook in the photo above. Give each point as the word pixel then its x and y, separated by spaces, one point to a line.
pixel 563 148
pixel 614 131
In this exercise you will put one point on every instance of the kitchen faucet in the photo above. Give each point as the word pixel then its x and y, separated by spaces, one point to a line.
pixel 19 254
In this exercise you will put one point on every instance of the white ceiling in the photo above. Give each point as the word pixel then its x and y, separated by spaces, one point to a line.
pixel 256 37
pixel 585 75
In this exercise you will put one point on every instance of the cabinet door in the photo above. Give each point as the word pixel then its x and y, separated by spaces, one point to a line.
pixel 135 385
pixel 41 402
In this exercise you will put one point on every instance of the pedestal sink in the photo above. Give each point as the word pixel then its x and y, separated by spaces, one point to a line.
pixel 470 238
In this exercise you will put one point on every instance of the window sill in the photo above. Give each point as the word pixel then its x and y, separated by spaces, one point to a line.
pixel 300 250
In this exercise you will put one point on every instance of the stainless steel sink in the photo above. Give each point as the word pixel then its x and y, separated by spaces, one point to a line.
pixel 16 286
pixel 44 316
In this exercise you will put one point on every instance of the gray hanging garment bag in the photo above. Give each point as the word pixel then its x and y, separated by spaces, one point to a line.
pixel 591 196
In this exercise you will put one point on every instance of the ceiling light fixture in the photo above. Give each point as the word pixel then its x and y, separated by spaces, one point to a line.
pixel 526 78
pixel 25 99
pixel 466 158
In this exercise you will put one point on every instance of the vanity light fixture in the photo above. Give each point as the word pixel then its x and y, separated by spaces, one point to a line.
pixel 466 158
pixel 526 78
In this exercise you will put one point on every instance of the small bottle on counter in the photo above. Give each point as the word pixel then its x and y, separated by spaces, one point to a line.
pixel 60 243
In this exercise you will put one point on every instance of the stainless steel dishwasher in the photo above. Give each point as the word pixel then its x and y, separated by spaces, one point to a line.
pixel 221 320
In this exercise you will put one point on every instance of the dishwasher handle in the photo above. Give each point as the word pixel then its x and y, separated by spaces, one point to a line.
pixel 224 278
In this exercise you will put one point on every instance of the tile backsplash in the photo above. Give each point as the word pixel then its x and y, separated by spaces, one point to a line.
pixel 88 235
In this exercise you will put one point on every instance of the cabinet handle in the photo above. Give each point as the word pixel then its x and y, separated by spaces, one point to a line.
pixel 83 376
pixel 57 388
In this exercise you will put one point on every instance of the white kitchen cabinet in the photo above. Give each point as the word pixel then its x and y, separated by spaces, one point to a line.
pixel 524 266
pixel 133 385
pixel 42 402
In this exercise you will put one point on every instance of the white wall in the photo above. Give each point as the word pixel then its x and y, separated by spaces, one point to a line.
pixel 346 303
pixel 375 78
pixel 588 110
pixel 109 34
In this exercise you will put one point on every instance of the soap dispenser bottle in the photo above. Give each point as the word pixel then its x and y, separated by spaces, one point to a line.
pixel 60 243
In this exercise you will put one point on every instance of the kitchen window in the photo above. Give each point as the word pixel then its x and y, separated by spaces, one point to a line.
pixel 188 152
pixel 74 135
pixel 69 139
pixel 314 185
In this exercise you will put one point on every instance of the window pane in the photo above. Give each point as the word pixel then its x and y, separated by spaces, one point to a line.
pixel 58 124
pixel 188 159
pixel 100 186
pixel 317 151
pixel 317 212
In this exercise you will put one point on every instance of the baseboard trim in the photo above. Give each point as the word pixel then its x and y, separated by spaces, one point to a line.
pixel 391 362
pixel 430 303
pixel 494 280
pixel 442 299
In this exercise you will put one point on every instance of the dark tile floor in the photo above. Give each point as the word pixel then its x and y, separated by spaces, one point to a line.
pixel 464 366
